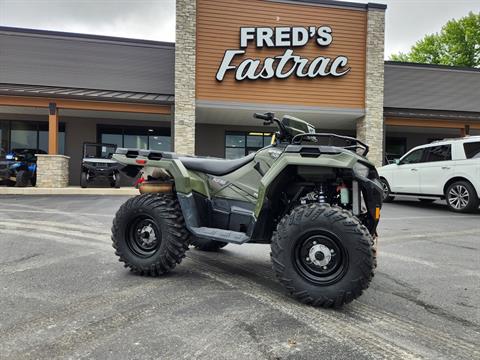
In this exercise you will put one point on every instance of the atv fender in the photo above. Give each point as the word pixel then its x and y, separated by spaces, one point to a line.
pixel 337 160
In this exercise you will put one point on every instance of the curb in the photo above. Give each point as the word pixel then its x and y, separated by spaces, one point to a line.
pixel 70 190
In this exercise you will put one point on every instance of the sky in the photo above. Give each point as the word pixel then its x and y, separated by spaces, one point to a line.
pixel 406 20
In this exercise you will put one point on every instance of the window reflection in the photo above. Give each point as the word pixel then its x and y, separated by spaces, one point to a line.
pixel 239 144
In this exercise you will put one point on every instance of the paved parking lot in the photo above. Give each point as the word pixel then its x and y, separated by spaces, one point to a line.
pixel 65 295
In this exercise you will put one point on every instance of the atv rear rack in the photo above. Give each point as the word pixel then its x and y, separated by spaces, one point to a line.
pixel 354 144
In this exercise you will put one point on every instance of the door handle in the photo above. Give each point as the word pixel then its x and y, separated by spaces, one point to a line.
pixel 414 169
pixel 445 167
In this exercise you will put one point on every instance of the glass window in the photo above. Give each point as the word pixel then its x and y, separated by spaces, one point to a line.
pixel 239 144
pixel 43 137
pixel 160 143
pixel 29 135
pixel 438 153
pixel 135 141
pixel 472 150
pixel 234 153
pixel 234 140
pixel 395 148
pixel 4 130
pixel 255 140
pixel 136 137
pixel 414 157
pixel 23 135
pixel 116 139
pixel 267 139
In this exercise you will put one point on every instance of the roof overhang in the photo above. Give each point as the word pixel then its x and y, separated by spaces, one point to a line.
pixel 86 94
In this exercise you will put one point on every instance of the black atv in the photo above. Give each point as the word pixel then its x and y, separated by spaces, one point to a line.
pixel 98 164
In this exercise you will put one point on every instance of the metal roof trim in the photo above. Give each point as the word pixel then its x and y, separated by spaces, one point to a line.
pixel 337 4
pixel 85 37
pixel 85 94
pixel 431 66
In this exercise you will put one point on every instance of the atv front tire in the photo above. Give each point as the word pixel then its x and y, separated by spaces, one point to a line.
pixel 207 245
pixel 83 180
pixel 116 181
pixel 23 178
pixel 323 255
pixel 149 234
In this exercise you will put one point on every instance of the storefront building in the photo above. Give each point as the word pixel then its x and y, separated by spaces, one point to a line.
pixel 319 60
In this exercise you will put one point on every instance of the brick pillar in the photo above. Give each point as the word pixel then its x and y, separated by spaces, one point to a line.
pixel 185 46
pixel 370 127
pixel 52 171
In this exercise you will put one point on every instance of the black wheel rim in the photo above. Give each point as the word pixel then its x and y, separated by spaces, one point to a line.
pixel 321 258
pixel 143 236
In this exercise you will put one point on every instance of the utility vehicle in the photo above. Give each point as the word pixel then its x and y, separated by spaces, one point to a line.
pixel 309 195
pixel 19 167
pixel 97 164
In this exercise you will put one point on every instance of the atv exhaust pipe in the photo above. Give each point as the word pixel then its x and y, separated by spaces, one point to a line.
pixel 151 187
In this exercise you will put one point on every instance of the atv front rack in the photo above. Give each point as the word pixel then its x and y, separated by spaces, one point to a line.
pixel 353 144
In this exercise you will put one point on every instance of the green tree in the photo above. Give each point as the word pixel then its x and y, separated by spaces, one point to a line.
pixel 457 44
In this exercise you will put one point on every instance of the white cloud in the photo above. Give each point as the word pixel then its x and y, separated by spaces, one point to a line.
pixel 406 20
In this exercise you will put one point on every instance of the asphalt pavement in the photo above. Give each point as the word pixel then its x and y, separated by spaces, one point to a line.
pixel 63 293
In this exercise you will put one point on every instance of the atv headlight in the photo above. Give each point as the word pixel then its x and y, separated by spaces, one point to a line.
pixel 361 169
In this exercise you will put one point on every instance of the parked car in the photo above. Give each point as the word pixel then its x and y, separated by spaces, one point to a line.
pixel 19 167
pixel 97 163
pixel 448 169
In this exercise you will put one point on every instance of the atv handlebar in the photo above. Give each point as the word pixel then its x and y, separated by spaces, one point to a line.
pixel 269 118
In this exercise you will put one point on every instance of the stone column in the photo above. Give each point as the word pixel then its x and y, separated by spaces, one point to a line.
pixel 370 127
pixel 185 49
pixel 52 171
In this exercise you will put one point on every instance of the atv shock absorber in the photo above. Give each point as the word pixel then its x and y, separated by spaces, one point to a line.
pixel 322 199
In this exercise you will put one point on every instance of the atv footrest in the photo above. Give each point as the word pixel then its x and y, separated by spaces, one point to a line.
pixel 219 235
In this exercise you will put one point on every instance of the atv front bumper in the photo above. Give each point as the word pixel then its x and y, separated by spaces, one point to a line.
pixel 101 171
pixel 6 173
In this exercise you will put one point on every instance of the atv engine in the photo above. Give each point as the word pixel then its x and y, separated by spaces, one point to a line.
pixel 328 193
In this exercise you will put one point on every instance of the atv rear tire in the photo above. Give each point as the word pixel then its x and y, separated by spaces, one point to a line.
pixel 207 245
pixel 342 250
pixel 23 178
pixel 149 234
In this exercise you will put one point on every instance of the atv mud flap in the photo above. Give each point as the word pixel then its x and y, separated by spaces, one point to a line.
pixel 372 202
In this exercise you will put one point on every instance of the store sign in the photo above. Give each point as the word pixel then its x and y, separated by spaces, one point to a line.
pixel 287 64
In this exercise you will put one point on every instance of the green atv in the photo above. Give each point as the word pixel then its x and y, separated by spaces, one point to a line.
pixel 311 196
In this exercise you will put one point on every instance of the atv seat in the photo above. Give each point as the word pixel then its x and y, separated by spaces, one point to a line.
pixel 214 166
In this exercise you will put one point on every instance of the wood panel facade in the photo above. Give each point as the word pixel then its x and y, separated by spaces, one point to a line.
pixel 218 29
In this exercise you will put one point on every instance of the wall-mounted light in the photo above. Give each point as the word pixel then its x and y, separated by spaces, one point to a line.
pixel 52 108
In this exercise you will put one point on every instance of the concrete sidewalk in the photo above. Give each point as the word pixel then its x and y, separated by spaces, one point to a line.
pixel 70 190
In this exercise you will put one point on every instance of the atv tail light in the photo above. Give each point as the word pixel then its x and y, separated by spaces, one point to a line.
pixel 377 213
pixel 141 161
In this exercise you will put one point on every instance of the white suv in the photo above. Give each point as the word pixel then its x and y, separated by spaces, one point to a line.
pixel 447 169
